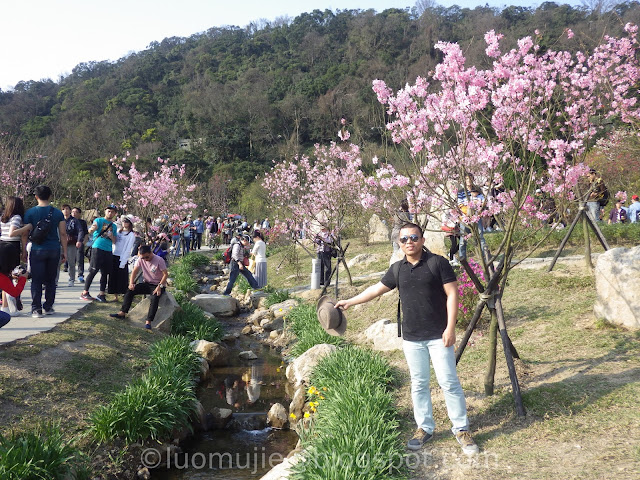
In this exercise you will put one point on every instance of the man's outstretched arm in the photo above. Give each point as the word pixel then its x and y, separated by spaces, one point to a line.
pixel 369 294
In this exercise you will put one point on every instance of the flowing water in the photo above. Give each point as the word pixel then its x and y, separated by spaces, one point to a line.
pixel 247 448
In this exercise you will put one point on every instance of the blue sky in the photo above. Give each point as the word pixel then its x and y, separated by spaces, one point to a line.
pixel 47 38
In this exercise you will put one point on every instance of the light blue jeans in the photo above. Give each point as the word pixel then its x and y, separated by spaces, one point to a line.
pixel 443 359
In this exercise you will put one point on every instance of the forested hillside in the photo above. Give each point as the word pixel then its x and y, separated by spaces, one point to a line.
pixel 239 98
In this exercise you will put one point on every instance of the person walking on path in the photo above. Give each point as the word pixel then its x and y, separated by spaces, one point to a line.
pixel 74 229
pixel 154 274
pixel 119 276
pixel 45 256
pixel 104 234
pixel 14 238
pixel 83 232
pixel 237 265
pixel 428 292
pixel 259 253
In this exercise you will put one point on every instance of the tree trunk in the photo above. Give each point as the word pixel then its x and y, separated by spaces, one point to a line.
pixel 587 243
pixel 493 346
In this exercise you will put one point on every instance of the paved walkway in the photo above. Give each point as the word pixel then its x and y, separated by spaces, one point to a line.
pixel 67 303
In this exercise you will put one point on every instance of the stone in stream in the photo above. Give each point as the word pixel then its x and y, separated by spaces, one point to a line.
pixel 300 369
pixel 221 305
pixel 277 416
pixel 248 355
pixel 221 416
pixel 216 353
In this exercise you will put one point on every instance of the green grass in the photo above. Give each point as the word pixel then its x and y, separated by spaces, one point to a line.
pixel 149 408
pixel 303 322
pixel 277 296
pixel 181 272
pixel 355 433
pixel 194 324
pixel 41 453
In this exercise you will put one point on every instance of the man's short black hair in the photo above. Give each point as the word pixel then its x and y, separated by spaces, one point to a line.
pixel 144 249
pixel 42 192
pixel 413 225
pixel 77 208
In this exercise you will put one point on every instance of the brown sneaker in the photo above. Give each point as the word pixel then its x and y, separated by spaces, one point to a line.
pixel 466 442
pixel 419 439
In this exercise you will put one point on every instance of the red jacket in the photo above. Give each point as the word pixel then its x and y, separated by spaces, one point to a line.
pixel 6 285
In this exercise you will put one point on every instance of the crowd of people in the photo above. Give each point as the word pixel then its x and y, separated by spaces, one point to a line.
pixel 131 261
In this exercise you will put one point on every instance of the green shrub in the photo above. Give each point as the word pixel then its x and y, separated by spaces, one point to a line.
pixel 38 454
pixel 355 432
pixel 149 408
pixel 277 296
pixel 303 322
pixel 218 256
pixel 192 323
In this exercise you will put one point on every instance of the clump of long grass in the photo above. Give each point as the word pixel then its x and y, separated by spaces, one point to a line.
pixel 303 322
pixel 149 408
pixel 354 433
pixel 153 405
pixel 41 453
pixel 192 323
pixel 181 272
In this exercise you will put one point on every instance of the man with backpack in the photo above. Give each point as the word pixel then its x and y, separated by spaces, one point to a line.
pixel 428 292
pixel 48 235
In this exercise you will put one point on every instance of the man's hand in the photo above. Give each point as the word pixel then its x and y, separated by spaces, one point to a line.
pixel 240 265
pixel 132 286
pixel 78 244
pixel 343 304
pixel 449 337
pixel 63 257
pixel 158 291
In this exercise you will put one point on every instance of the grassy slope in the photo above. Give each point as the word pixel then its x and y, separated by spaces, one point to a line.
pixel 580 380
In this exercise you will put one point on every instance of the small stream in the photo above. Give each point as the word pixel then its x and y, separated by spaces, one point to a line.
pixel 246 448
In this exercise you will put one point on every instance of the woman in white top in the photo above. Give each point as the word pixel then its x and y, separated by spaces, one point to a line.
pixel 119 277
pixel 13 233
pixel 259 253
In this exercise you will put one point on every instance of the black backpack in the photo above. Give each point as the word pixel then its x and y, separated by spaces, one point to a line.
pixel 41 230
pixel 604 199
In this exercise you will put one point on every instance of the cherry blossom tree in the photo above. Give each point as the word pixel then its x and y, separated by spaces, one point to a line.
pixel 20 171
pixel 165 191
pixel 321 190
pixel 526 123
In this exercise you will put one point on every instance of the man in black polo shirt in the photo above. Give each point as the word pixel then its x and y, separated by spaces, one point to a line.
pixel 429 297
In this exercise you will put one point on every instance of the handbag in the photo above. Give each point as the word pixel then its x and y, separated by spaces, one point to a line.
pixel 87 252
pixel 245 261
pixel 252 265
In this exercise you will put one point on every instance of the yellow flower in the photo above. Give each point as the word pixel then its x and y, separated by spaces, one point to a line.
pixel 278 369
pixel 279 309
pixel 293 415
pixel 306 415
pixel 313 409
pixel 321 397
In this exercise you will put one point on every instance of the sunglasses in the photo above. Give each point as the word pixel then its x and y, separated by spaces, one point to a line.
pixel 413 237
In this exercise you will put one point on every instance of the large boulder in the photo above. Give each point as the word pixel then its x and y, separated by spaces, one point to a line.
pixel 215 353
pixel 384 336
pixel 167 306
pixel 297 402
pixel 362 260
pixel 282 309
pixel 299 371
pixel 277 416
pixel 617 279
pixel 220 305
pixel 378 230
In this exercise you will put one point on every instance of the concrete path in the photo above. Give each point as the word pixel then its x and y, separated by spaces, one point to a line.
pixel 67 303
